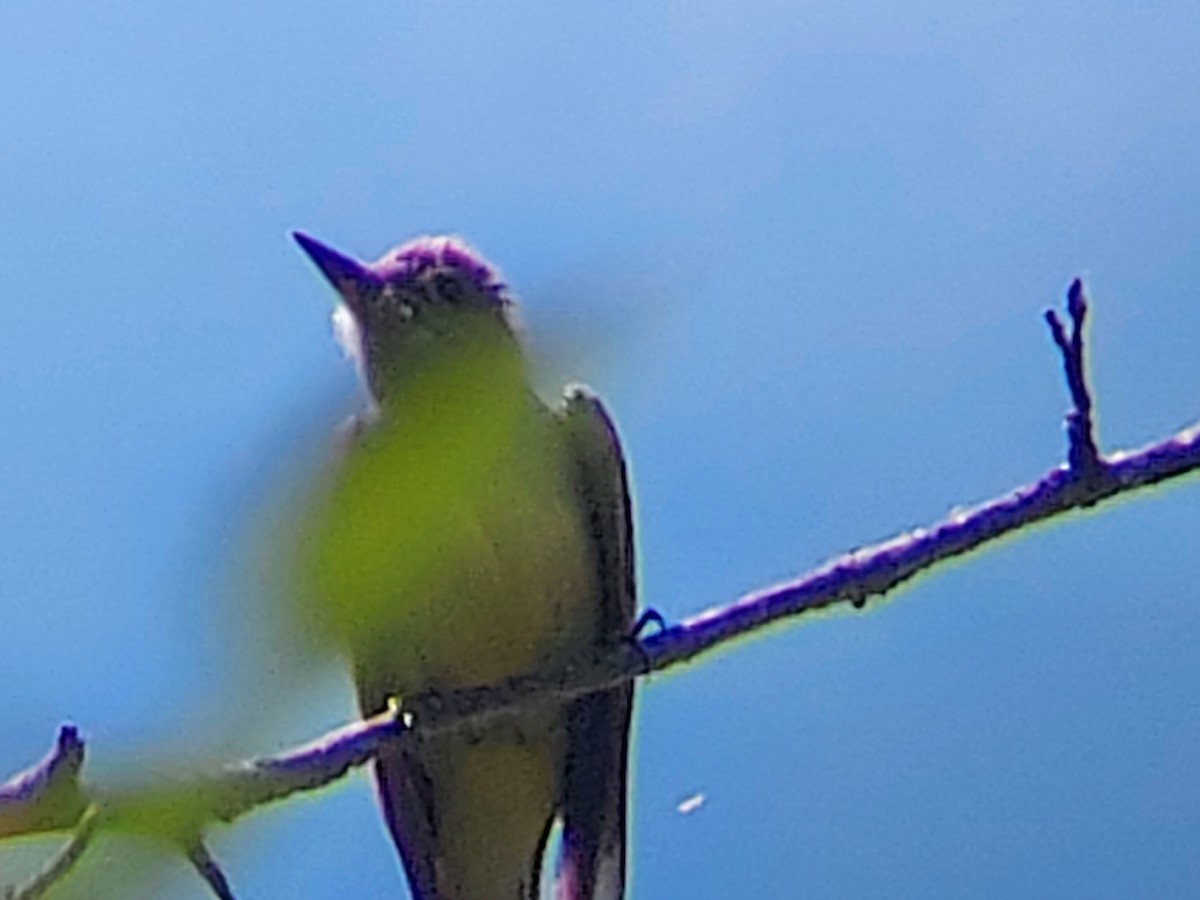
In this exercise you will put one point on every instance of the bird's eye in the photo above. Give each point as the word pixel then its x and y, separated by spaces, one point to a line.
pixel 448 288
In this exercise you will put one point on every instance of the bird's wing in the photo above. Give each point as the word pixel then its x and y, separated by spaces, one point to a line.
pixel 406 795
pixel 592 866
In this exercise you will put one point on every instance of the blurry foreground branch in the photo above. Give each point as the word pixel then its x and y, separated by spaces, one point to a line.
pixel 51 797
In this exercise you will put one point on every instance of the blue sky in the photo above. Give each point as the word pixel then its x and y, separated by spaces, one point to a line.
pixel 801 248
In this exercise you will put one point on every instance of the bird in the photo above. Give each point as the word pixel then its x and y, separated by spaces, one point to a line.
pixel 467 533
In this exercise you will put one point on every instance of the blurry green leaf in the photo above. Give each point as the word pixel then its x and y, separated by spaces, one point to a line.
pixel 117 867
pixel 174 813
pixel 399 509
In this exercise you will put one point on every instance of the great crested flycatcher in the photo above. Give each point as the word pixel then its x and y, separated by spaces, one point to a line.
pixel 469 534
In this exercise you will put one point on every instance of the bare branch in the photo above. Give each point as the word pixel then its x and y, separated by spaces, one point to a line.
pixel 855 577
pixel 48 795
pixel 241 787
pixel 873 571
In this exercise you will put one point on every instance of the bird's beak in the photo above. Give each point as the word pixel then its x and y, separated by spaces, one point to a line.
pixel 347 275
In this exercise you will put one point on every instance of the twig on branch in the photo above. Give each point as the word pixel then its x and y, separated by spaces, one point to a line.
pixel 208 869
pixel 46 796
pixel 856 577
pixel 60 864
pixel 872 571
pixel 1082 453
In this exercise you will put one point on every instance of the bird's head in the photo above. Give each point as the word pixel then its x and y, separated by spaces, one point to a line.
pixel 425 300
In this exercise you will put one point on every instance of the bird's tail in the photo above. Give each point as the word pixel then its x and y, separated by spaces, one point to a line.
pixel 592 865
